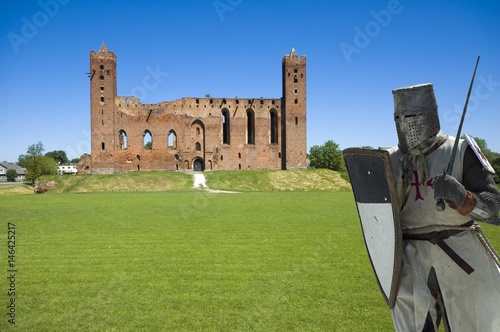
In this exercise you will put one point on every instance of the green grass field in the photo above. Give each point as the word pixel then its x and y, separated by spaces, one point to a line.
pixel 188 260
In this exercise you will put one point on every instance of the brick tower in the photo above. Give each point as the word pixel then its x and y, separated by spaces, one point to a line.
pixel 293 112
pixel 102 100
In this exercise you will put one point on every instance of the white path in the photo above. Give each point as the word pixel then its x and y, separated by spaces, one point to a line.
pixel 200 182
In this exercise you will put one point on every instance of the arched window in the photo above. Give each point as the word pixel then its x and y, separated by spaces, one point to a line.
pixel 172 139
pixel 122 140
pixel 197 146
pixel 250 127
pixel 148 140
pixel 274 127
pixel 225 127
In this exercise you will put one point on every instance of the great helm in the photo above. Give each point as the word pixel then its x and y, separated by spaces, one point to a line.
pixel 415 114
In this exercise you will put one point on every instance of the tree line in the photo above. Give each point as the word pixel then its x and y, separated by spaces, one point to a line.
pixel 329 156
pixel 38 164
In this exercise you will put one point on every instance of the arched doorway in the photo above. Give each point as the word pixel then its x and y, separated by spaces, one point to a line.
pixel 198 165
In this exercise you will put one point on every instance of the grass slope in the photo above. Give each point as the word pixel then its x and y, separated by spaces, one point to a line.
pixel 238 180
pixel 133 181
pixel 290 180
pixel 168 261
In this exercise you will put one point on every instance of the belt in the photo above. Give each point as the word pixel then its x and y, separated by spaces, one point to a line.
pixel 438 238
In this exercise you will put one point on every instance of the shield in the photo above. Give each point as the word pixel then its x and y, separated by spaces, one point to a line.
pixel 374 188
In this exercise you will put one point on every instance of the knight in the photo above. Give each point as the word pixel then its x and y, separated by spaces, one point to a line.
pixel 450 273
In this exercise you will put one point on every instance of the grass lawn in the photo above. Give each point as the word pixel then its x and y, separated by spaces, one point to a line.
pixel 189 260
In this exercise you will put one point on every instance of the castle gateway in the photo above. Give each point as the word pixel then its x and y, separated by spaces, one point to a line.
pixel 196 133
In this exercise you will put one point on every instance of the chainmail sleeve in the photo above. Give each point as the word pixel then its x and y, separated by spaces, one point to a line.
pixel 479 181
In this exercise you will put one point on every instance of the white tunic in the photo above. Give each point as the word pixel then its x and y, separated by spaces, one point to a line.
pixel 472 301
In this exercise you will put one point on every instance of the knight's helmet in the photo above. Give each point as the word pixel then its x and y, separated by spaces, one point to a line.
pixel 415 114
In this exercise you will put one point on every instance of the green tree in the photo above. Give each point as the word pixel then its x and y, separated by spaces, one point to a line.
pixel 37 164
pixel 326 156
pixel 48 166
pixel 11 175
pixel 59 156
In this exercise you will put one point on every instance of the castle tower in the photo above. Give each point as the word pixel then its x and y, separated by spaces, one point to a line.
pixel 294 147
pixel 102 100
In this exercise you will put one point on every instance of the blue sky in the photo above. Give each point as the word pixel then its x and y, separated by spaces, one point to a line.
pixel 357 53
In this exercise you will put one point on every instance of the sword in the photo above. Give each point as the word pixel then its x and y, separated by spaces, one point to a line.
pixel 440 206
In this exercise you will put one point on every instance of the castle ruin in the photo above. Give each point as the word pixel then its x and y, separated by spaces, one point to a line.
pixel 196 133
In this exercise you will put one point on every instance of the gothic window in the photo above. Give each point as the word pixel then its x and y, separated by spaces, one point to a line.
pixel 197 146
pixel 122 139
pixel 225 127
pixel 172 140
pixel 274 127
pixel 250 127
pixel 148 140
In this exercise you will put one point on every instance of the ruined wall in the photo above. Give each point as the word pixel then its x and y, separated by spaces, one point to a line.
pixel 194 133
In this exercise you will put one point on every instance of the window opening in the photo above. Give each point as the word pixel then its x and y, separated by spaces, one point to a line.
pixel 172 140
pixel 225 127
pixel 122 139
pixel 274 127
pixel 250 127
pixel 148 140
pixel 197 146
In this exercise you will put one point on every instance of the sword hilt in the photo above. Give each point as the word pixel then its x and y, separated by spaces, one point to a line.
pixel 440 206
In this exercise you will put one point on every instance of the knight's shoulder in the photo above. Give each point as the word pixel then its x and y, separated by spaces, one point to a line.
pixel 470 141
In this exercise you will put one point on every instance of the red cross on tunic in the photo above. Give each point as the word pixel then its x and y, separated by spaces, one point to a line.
pixel 417 186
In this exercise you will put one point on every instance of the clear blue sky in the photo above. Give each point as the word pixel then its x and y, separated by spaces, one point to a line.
pixel 357 53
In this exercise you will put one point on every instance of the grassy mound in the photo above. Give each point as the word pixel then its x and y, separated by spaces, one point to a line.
pixel 291 180
pixel 236 180
pixel 16 190
pixel 122 182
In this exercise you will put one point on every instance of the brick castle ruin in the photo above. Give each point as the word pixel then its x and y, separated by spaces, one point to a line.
pixel 196 133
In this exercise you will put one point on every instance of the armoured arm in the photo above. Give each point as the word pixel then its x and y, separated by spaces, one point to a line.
pixel 480 183
pixel 477 195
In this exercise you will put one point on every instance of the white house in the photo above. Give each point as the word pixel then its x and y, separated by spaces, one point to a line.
pixel 67 169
